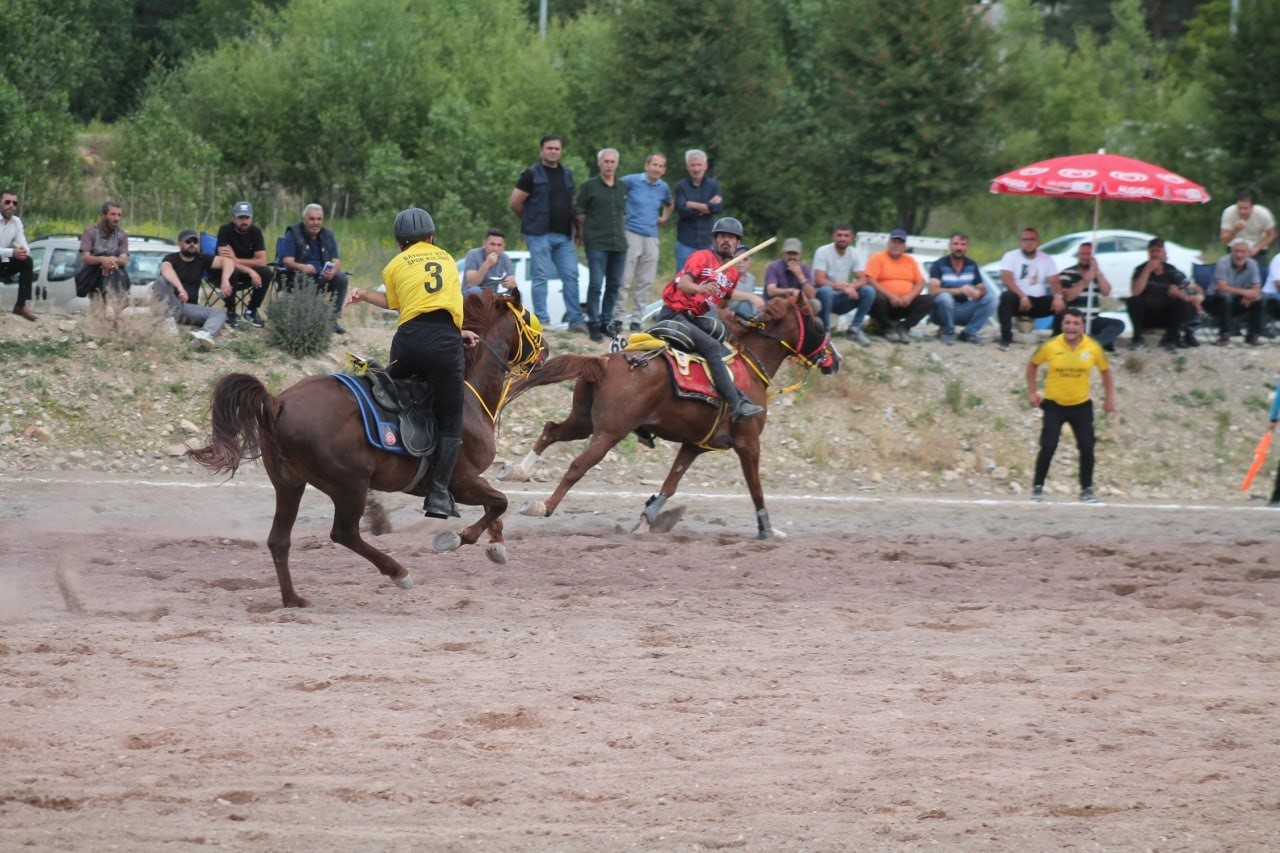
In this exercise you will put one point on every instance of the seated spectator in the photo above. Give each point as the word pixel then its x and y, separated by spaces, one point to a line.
pixel 488 266
pixel 789 273
pixel 1271 298
pixel 1076 281
pixel 312 250
pixel 901 302
pixel 1031 285
pixel 15 254
pixel 1161 297
pixel 959 294
pixel 837 271
pixel 242 242
pixel 177 289
pixel 104 256
pixel 1237 290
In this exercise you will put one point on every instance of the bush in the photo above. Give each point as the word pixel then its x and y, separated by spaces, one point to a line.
pixel 300 322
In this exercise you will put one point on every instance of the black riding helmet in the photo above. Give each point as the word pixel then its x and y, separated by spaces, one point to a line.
pixel 728 225
pixel 413 225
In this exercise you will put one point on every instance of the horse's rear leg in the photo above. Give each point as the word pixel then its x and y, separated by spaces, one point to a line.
pixel 582 463
pixel 653 506
pixel 577 425
pixel 288 499
pixel 348 507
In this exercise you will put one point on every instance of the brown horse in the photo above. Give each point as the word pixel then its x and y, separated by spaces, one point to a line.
pixel 313 434
pixel 619 393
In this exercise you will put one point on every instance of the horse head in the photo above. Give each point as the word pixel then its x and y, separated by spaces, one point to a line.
pixel 789 321
pixel 506 328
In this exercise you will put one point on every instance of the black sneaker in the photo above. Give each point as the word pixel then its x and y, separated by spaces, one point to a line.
pixel 254 319
pixel 1189 340
pixel 338 329
pixel 1004 345
pixel 1037 494
pixel 1137 342
pixel 635 327
pixel 1088 497
pixel 232 319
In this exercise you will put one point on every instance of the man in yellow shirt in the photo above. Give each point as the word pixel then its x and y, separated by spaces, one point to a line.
pixel 900 298
pixel 422 284
pixel 1070 356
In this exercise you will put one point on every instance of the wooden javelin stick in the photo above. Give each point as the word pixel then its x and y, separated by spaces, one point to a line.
pixel 739 258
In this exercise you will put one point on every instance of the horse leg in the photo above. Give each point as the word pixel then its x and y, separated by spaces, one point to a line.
pixel 348 507
pixel 748 450
pixel 477 491
pixel 577 425
pixel 653 506
pixel 288 499
pixel 599 445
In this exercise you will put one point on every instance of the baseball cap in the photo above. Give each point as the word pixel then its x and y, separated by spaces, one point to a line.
pixel 187 234
pixel 791 244
pixel 242 208
pixel 1156 241
pixel 898 234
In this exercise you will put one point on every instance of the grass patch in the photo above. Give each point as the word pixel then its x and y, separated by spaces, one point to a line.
pixel 13 351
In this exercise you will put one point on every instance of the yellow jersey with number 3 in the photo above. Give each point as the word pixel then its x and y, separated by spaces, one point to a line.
pixel 423 278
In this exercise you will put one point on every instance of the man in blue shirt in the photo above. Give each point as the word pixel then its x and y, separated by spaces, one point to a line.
pixel 649 205
pixel 699 200
pixel 959 293
pixel 312 250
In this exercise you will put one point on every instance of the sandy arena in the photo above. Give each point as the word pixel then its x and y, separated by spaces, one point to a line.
pixel 895 674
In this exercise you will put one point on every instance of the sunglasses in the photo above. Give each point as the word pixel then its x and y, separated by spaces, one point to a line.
pixel 191 240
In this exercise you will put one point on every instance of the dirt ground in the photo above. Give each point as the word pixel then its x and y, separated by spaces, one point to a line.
pixel 895 674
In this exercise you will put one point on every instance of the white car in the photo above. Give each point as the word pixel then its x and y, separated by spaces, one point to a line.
pixel 555 288
pixel 1118 253
pixel 56 257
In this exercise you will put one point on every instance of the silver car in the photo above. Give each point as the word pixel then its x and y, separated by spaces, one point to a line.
pixel 55 259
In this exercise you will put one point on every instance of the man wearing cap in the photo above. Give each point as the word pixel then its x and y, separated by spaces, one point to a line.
pixel 242 242
pixel 790 273
pixel 837 276
pixel 1031 285
pixel 901 302
pixel 312 250
pixel 649 205
pixel 15 254
pixel 177 289
pixel 1161 297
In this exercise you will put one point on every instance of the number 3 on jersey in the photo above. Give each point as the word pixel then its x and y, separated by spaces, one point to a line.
pixel 435 281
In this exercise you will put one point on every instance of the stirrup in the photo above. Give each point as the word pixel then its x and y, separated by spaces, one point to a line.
pixel 745 410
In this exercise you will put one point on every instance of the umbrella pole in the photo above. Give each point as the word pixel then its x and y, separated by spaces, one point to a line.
pixel 1088 300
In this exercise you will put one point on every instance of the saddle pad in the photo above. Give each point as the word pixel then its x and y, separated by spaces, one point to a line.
pixel 690 380
pixel 382 429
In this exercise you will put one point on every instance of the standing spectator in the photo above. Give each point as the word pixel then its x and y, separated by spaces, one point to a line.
pixel 105 246
pixel 1070 356
pixel 15 254
pixel 543 199
pixel 1238 290
pixel 837 274
pixel 790 273
pixel 488 266
pixel 1160 296
pixel 1274 416
pixel 698 199
pixel 312 250
pixel 900 298
pixel 602 212
pixel 1031 285
pixel 649 205
pixel 1251 222
pixel 242 242
pixel 177 288
pixel 960 294
pixel 1076 281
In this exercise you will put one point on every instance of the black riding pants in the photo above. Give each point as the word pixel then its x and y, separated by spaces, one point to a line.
pixel 430 347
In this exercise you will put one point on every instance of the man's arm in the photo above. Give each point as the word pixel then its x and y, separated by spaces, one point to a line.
pixel 516 202
pixel 1267 237
pixel 666 213
pixel 1006 278
pixel 1033 394
pixel 1109 385
pixel 170 275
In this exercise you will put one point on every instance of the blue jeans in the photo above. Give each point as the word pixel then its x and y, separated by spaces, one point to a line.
pixel 838 302
pixel 548 252
pixel 603 284
pixel 682 254
pixel 973 313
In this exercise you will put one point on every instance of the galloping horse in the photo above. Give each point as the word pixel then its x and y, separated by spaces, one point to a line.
pixel 618 393
pixel 313 434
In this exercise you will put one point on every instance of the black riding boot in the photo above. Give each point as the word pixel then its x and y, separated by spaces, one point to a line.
pixel 740 408
pixel 439 503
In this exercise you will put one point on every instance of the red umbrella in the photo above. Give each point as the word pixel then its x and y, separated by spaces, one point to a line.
pixel 1100 176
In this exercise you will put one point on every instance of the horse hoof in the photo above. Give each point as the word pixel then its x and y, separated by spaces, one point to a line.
pixel 537 509
pixel 405 582
pixel 496 552
pixel 511 473
pixel 446 540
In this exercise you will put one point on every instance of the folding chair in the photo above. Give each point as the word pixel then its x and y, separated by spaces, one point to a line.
pixel 213 296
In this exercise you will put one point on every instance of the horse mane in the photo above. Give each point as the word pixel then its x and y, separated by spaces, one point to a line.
pixel 480 311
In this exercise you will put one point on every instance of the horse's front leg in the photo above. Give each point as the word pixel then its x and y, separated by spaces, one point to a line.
pixel 748 449
pixel 596 449
pixel 653 507
pixel 476 491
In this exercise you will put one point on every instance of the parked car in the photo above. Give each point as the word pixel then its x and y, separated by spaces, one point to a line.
pixel 1118 253
pixel 555 296
pixel 56 257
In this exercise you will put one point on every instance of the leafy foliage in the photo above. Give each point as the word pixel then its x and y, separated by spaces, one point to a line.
pixel 301 322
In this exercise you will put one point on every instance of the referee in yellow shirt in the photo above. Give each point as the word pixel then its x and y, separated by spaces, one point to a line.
pixel 1070 356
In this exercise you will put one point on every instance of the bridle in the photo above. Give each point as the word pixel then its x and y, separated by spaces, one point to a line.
pixel 528 354
pixel 796 353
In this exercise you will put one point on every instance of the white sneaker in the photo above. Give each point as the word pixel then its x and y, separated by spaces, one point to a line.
pixel 171 325
pixel 204 340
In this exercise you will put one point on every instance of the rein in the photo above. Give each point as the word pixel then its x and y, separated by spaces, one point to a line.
pixel 516 368
pixel 796 353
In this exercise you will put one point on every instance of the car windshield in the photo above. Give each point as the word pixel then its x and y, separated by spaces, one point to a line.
pixel 144 266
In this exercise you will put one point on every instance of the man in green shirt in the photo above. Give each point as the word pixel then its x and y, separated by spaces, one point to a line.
pixel 601 210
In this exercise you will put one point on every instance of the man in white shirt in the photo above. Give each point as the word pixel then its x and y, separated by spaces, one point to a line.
pixel 1031 285
pixel 1249 221
pixel 837 277
pixel 15 254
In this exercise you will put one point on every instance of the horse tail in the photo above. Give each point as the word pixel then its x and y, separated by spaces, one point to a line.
pixel 244 414
pixel 565 368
